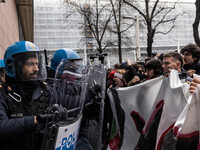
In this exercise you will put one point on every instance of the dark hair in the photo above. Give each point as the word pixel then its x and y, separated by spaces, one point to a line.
pixel 193 49
pixel 176 56
pixel 161 57
pixel 153 54
pixel 156 65
pixel 147 59
pixel 116 66
pixel 20 61
pixel 135 65
pixel 123 65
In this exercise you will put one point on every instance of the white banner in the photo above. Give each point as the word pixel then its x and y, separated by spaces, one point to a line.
pixel 136 101
pixel 164 94
pixel 186 128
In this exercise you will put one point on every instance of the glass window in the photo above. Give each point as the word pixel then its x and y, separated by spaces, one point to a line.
pixel 36 33
pixel 51 34
pixel 50 15
pixel 59 33
pixel 58 21
pixel 50 21
pixel 41 15
pixel 42 21
pixel 43 27
pixel 42 34
pixel 50 27
pixel 51 40
pixel 57 15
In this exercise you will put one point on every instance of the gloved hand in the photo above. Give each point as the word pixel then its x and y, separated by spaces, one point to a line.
pixel 56 113
pixel 95 93
pixel 91 111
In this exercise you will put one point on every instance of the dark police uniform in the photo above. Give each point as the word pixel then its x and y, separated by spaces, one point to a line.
pixel 17 111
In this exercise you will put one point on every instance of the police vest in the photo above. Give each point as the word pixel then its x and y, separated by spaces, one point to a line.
pixel 19 107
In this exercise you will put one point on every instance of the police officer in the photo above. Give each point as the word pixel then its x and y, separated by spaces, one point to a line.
pixel 58 55
pixel 2 71
pixel 23 97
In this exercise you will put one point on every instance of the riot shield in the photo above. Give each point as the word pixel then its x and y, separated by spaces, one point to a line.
pixel 93 119
pixel 65 112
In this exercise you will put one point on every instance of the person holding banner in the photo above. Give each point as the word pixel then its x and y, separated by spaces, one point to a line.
pixel 174 60
pixel 193 84
pixel 118 78
pixel 153 69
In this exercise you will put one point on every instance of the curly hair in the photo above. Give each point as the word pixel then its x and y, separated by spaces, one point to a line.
pixel 156 65
pixel 193 49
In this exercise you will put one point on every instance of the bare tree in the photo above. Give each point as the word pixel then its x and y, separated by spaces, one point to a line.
pixel 122 38
pixel 196 23
pixel 94 25
pixel 150 15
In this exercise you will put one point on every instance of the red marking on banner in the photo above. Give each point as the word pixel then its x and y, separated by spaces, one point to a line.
pixel 157 108
pixel 139 121
pixel 186 137
pixel 114 142
pixel 163 135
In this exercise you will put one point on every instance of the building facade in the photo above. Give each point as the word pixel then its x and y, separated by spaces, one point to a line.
pixel 54 28
pixel 16 22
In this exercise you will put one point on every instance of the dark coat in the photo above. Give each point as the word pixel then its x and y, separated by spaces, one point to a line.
pixel 17 129
pixel 195 66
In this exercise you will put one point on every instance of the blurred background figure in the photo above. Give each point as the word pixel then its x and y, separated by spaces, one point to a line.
pixel 2 71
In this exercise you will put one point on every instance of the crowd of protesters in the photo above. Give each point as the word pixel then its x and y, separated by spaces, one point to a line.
pixel 128 73
pixel 187 64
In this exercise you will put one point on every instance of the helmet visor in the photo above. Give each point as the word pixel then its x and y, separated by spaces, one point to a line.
pixel 70 87
pixel 30 66
pixel 70 69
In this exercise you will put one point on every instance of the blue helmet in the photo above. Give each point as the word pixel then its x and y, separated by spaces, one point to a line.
pixel 17 54
pixel 2 65
pixel 60 54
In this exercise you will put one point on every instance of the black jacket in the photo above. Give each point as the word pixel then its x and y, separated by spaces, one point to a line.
pixel 17 129
pixel 195 66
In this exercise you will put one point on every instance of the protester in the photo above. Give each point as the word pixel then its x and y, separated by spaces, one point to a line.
pixel 193 84
pixel 110 80
pixel 153 69
pixel 191 55
pixel 23 97
pixel 174 60
pixel 116 66
pixel 130 71
pixel 118 78
pixel 139 68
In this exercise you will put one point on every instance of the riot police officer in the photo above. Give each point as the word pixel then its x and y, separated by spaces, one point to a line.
pixel 2 71
pixel 23 97
pixel 60 54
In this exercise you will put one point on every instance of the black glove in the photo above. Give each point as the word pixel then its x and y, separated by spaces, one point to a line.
pixel 56 113
pixel 92 111
pixel 95 93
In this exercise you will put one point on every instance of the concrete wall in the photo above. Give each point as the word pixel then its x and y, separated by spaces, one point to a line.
pixel 9 30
